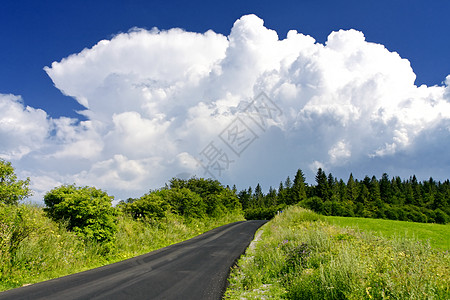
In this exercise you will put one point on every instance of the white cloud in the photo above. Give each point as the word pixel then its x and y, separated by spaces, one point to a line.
pixel 22 129
pixel 339 153
pixel 155 99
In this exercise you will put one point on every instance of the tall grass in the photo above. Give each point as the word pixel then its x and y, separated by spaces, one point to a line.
pixel 33 248
pixel 302 256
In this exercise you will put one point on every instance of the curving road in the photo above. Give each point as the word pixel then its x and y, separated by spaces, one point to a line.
pixel 194 269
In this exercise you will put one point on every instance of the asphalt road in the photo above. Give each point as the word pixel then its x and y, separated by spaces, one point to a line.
pixel 194 269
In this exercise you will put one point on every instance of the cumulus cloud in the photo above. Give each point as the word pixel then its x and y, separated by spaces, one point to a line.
pixel 23 129
pixel 162 103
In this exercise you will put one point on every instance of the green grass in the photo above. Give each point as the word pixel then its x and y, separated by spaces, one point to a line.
pixel 46 250
pixel 302 255
pixel 438 235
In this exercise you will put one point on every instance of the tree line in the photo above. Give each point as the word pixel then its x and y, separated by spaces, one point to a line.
pixel 387 198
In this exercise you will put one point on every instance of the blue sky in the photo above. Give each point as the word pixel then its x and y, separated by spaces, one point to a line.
pixel 86 98
pixel 36 33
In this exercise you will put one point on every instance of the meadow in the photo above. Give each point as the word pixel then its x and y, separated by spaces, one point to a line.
pixel 303 255
pixel 438 235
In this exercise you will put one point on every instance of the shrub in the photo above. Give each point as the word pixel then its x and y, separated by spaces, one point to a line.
pixel 149 206
pixel 262 213
pixel 441 217
pixel 87 211
pixel 186 203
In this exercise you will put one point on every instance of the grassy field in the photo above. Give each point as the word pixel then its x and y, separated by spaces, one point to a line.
pixel 438 235
pixel 301 255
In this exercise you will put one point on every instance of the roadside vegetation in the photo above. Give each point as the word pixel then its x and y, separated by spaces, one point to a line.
pixel 303 255
pixel 79 229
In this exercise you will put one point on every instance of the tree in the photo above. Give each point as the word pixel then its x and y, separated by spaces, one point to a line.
pixel 281 195
pixel 322 185
pixel 385 188
pixel 374 190
pixel 87 211
pixel 352 189
pixel 418 199
pixel 258 196
pixel 298 188
pixel 342 190
pixel 271 197
pixel 288 183
pixel 12 190
pixel 244 198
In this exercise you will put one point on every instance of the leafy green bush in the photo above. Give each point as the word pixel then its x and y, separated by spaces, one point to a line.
pixel 218 199
pixel 87 211
pixel 149 206
pixel 262 213
pixel 441 217
pixel 186 203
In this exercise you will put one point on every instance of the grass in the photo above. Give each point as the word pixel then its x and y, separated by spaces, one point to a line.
pixel 438 235
pixel 46 250
pixel 301 255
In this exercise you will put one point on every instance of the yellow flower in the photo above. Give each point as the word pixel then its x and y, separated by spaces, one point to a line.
pixel 368 292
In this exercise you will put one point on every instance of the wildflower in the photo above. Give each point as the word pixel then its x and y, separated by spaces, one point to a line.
pixel 368 291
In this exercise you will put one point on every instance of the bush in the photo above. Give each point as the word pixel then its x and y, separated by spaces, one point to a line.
pixel 262 213
pixel 149 206
pixel 87 211
pixel 186 203
pixel 441 217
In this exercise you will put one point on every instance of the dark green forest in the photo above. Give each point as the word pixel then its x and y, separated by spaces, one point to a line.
pixel 385 198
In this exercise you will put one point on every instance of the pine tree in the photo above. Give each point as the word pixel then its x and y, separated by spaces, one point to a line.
pixel 258 196
pixel 364 194
pixel 385 189
pixel 374 190
pixel 244 198
pixel 288 183
pixel 331 187
pixel 342 191
pixel 352 189
pixel 418 199
pixel 281 193
pixel 408 192
pixel 322 185
pixel 271 197
pixel 298 188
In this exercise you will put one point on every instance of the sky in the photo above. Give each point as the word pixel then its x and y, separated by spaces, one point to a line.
pixel 126 95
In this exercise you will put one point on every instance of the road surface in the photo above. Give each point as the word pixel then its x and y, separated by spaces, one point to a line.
pixel 194 269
